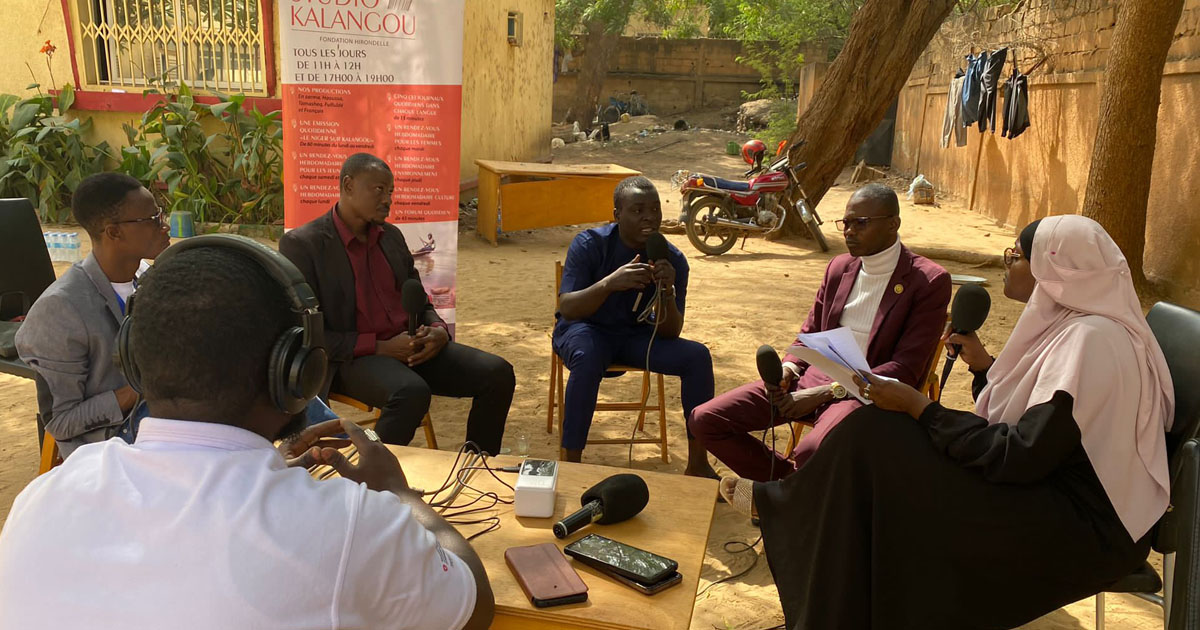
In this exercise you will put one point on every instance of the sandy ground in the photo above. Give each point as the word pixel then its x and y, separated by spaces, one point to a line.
pixel 759 294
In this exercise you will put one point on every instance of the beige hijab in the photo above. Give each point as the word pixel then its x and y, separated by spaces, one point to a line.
pixel 1083 333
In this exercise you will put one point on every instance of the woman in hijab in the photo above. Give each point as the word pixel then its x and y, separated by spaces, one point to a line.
pixel 916 516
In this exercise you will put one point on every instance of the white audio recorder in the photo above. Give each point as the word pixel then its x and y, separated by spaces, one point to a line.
pixel 536 488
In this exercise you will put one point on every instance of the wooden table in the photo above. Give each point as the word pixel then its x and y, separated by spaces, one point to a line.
pixel 674 524
pixel 526 195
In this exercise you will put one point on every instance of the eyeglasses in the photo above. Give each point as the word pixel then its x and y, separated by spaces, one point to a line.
pixel 157 218
pixel 858 222
pixel 1011 256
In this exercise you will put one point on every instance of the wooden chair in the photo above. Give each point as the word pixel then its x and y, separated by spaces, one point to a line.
pixel 50 455
pixel 426 422
pixel 642 406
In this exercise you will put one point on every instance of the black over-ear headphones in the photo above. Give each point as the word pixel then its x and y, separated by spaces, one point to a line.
pixel 298 362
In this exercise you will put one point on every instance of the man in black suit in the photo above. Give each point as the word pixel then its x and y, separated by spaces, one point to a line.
pixel 356 262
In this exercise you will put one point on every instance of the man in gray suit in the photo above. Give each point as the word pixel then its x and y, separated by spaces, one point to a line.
pixel 70 332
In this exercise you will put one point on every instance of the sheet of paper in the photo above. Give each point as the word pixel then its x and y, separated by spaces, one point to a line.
pixel 838 345
pixel 832 368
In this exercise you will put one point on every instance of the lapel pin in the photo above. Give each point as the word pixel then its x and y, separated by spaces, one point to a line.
pixel 899 288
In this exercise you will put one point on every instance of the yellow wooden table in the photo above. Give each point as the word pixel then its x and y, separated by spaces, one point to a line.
pixel 525 195
pixel 674 524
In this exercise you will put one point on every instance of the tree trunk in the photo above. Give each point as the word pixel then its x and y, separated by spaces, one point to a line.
pixel 886 39
pixel 1118 184
pixel 600 47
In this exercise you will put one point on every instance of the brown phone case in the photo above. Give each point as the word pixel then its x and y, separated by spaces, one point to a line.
pixel 545 575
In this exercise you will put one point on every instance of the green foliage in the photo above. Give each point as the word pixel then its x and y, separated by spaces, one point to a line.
pixel 233 175
pixel 572 17
pixel 774 33
pixel 781 125
pixel 44 154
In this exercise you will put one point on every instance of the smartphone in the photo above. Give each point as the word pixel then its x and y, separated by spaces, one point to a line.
pixel 636 564
pixel 559 601
pixel 645 589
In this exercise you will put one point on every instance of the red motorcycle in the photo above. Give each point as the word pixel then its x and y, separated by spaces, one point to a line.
pixel 718 211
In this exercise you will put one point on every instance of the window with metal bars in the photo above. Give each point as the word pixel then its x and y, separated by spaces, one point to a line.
pixel 213 45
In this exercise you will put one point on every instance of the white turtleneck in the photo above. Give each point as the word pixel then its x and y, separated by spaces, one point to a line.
pixel 867 293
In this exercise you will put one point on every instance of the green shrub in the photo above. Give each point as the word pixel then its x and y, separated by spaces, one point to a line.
pixel 43 155
pixel 233 175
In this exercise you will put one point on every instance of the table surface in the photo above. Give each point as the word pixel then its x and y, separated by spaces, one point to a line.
pixel 536 168
pixel 674 524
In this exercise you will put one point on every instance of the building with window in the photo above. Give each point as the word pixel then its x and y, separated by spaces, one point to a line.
pixel 113 50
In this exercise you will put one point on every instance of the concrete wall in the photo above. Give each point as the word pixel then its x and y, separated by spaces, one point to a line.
pixel 506 89
pixel 672 75
pixel 1044 171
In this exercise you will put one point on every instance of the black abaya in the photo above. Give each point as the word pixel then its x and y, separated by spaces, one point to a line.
pixel 943 522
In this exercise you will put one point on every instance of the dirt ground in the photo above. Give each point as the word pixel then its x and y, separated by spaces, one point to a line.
pixel 759 294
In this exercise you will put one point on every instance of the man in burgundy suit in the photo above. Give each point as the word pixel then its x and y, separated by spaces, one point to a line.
pixel 893 301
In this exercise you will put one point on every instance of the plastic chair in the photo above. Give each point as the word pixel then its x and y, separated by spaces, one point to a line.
pixel 50 457
pixel 1177 534
pixel 25 268
pixel 642 405
pixel 426 422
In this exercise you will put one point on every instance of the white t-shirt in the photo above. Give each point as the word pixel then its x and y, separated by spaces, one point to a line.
pixel 202 526
pixel 126 289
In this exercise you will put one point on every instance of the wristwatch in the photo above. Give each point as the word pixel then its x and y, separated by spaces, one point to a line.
pixel 839 392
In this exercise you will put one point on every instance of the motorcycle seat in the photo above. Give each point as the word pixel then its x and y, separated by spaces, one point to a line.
pixel 725 184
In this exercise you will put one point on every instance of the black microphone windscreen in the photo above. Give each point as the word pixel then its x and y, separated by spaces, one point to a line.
pixel 970 308
pixel 656 247
pixel 770 368
pixel 622 497
pixel 412 296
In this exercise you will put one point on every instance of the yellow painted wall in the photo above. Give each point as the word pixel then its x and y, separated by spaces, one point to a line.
pixel 507 90
pixel 22 33
pixel 1044 171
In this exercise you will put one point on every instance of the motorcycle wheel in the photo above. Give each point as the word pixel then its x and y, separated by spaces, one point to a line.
pixel 817 235
pixel 711 240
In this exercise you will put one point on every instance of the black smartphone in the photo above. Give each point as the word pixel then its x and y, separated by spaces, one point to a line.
pixel 636 564
pixel 645 589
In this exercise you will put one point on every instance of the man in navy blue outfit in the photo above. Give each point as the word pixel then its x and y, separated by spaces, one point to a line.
pixel 607 285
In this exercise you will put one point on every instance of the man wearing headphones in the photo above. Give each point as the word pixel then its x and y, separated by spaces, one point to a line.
pixel 67 338
pixel 357 262
pixel 201 522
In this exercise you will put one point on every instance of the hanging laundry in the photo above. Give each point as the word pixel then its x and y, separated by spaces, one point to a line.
pixel 1016 104
pixel 971 90
pixel 989 83
pixel 952 122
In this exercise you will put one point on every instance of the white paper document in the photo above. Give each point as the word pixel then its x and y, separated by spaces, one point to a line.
pixel 836 353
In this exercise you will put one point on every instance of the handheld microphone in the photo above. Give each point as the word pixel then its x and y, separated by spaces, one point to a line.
pixel 412 298
pixel 967 314
pixel 770 368
pixel 618 498
pixel 656 247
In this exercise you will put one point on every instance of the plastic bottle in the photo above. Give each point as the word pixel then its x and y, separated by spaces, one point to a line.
pixel 56 243
pixel 73 246
pixel 49 247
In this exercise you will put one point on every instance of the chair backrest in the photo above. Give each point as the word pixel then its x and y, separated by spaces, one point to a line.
pixel 1177 330
pixel 25 267
pixel 558 267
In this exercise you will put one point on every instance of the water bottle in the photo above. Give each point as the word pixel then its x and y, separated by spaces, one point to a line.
pixel 49 247
pixel 73 246
pixel 56 239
